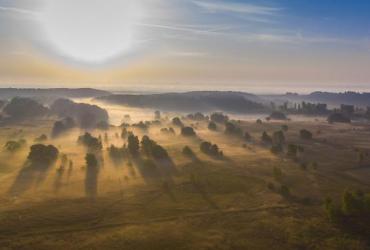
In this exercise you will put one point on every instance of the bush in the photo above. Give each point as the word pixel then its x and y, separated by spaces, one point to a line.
pixel 211 149
pixel 188 131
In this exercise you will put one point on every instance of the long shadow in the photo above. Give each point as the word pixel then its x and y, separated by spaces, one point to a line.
pixel 91 182
pixel 58 179
pixel 31 175
pixel 147 168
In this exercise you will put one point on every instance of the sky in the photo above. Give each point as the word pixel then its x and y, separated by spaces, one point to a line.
pixel 260 46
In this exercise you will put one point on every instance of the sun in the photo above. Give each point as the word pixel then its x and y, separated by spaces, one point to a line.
pixel 90 31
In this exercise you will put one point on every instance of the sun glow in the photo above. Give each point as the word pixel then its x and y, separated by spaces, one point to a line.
pixel 90 31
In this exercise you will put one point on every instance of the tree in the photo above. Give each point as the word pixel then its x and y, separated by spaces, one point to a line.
pixel 232 129
pixel 90 142
pixel 133 144
pixel 177 122
pixel 285 128
pixel 62 126
pixel 305 134
pixel 42 154
pixel 188 131
pixel 210 149
pixel 212 126
pixel 219 117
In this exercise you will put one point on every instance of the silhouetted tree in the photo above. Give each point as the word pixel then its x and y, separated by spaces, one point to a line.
pixel 188 131
pixel 43 155
pixel 133 144
pixel 90 142
pixel 219 117
pixel 177 122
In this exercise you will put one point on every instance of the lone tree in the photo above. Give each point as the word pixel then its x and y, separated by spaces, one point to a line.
pixel 188 131
pixel 305 134
pixel 133 144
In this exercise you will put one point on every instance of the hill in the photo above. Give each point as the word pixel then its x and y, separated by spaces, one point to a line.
pixel 234 102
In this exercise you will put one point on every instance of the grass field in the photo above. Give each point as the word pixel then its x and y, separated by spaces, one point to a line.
pixel 232 203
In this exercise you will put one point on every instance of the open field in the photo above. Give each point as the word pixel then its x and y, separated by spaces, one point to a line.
pixel 205 203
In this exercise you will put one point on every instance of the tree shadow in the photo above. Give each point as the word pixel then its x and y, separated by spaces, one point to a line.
pixel 58 179
pixel 31 175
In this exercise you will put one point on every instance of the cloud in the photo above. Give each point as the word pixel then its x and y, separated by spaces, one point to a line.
pixel 15 10
pixel 240 8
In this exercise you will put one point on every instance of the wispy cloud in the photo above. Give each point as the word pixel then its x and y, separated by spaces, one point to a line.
pixel 241 8
pixel 15 10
